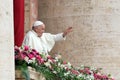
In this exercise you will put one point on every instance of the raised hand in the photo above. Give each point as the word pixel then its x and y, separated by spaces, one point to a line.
pixel 67 31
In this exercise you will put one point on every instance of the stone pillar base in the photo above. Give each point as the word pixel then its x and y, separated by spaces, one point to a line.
pixel 33 75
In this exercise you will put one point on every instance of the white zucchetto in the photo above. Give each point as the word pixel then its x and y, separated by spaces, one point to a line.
pixel 37 23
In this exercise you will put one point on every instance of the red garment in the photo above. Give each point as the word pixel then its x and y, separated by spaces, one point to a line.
pixel 18 22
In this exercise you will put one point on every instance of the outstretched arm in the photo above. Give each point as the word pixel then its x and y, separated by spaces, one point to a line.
pixel 62 36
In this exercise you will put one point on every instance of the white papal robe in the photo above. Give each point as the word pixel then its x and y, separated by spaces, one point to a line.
pixel 42 44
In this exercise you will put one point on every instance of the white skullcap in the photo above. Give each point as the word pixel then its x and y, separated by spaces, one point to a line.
pixel 37 23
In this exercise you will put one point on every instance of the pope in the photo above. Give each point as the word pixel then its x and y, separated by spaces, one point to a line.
pixel 41 41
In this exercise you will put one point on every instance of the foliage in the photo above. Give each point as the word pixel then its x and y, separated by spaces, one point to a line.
pixel 53 68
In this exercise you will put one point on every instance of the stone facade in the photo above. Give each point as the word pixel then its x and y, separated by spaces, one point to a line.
pixel 7 71
pixel 95 40
pixel 31 13
pixel 33 75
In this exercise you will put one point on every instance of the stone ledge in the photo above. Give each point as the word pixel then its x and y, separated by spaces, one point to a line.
pixel 33 75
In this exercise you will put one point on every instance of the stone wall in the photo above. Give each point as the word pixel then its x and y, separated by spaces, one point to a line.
pixel 95 40
pixel 33 75
pixel 27 15
pixel 31 13
pixel 7 71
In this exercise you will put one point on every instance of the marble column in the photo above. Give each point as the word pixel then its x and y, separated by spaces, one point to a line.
pixel 7 70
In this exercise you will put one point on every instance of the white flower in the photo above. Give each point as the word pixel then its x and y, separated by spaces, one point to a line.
pixel 66 74
pixel 26 59
pixel 92 68
pixel 59 64
pixel 47 64
pixel 33 59
pixel 59 56
pixel 30 61
pixel 79 76
pixel 55 72
pixel 50 61
pixel 65 67
pixel 62 66
pixel 56 58
pixel 90 77
pixel 82 67
pixel 69 65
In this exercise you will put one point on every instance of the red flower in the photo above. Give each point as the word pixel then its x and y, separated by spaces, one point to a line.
pixel 30 56
pixel 39 59
pixel 33 50
pixel 26 48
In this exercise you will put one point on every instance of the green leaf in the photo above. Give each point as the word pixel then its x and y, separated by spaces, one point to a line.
pixel 25 73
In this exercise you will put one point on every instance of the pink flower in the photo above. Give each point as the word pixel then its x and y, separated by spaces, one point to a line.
pixel 26 48
pixel 33 50
pixel 38 57
pixel 104 77
pixel 67 69
pixel 75 72
pixel 64 62
pixel 42 61
pixel 17 50
pixel 30 56
pixel 111 79
pixel 86 71
pixel 100 76
pixel 21 55
pixel 33 53
pixel 49 57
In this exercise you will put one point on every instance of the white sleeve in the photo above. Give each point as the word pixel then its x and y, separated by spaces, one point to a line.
pixel 59 37
pixel 27 41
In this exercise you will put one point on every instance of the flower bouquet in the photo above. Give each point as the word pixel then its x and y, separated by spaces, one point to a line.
pixel 53 68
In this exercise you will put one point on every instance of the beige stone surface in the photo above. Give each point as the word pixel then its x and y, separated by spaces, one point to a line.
pixel 27 15
pixel 7 71
pixel 95 40
pixel 31 13
pixel 33 75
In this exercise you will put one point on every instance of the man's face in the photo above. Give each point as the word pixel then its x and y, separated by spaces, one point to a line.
pixel 40 30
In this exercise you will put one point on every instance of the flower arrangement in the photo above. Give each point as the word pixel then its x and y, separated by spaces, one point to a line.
pixel 54 68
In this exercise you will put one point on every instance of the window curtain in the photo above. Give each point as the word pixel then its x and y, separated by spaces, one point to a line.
pixel 18 22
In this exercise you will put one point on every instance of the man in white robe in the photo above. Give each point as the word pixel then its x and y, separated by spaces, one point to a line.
pixel 43 42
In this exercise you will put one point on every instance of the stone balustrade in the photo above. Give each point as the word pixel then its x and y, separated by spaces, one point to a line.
pixel 33 75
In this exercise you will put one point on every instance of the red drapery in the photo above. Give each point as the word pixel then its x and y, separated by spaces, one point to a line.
pixel 18 22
